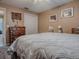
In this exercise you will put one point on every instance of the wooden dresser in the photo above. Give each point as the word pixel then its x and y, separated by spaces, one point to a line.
pixel 75 30
pixel 13 33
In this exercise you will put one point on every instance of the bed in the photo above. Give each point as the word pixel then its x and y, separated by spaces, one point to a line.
pixel 47 46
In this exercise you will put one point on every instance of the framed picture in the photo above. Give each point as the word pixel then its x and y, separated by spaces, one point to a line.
pixel 67 12
pixel 53 18
pixel 16 16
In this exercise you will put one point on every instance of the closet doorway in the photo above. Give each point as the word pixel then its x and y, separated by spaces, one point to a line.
pixel 2 27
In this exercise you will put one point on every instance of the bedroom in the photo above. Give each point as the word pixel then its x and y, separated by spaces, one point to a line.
pixel 47 19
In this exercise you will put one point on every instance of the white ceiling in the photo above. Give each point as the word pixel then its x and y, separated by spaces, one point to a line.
pixel 38 7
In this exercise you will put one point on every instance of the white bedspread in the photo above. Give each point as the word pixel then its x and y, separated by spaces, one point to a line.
pixel 47 46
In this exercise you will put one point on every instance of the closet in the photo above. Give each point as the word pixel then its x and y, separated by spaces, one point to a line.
pixel 31 23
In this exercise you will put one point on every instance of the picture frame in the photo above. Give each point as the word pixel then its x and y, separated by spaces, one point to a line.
pixel 53 18
pixel 67 12
pixel 16 16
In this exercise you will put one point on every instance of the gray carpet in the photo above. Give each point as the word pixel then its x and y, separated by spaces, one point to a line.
pixel 3 53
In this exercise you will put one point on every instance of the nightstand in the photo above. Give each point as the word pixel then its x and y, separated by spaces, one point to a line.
pixel 75 30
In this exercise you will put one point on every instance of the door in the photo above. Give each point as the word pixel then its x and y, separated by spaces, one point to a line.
pixel 2 27
pixel 1 30
pixel 31 23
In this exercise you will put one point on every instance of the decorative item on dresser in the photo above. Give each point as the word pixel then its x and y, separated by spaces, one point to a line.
pixel 13 33
pixel 75 30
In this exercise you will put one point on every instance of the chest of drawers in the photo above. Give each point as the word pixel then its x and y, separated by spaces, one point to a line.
pixel 13 33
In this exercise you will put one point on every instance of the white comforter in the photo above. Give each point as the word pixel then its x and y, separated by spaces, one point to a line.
pixel 47 46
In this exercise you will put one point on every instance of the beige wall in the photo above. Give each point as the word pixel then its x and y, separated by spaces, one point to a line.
pixel 65 22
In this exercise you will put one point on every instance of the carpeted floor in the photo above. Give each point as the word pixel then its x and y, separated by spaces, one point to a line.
pixel 3 53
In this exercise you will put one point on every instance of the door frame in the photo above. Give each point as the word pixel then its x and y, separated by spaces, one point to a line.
pixel 4 25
